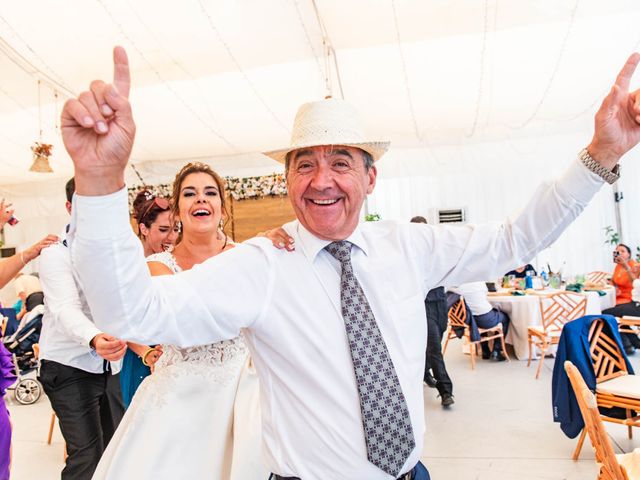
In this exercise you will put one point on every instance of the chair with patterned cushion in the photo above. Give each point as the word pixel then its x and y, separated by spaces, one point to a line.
pixel 555 310
pixel 608 461
pixel 457 320
pixel 615 387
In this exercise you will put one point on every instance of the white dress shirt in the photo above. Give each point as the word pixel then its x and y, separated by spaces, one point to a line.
pixel 67 327
pixel 475 294
pixel 288 303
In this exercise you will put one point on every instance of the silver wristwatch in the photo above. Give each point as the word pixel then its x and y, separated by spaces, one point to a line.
pixel 609 176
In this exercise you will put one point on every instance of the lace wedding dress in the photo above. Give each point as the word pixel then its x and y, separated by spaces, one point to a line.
pixel 197 416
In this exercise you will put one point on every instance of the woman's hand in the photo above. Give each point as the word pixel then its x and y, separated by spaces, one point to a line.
pixel 34 250
pixel 280 238
pixel 152 356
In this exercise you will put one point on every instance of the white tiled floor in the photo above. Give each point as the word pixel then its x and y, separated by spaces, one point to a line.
pixel 500 428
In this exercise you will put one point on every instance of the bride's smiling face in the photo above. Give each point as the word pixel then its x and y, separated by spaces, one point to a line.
pixel 199 205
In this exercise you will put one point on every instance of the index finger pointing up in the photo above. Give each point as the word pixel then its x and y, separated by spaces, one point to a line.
pixel 624 77
pixel 121 75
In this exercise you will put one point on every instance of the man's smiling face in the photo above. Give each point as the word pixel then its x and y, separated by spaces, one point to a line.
pixel 327 187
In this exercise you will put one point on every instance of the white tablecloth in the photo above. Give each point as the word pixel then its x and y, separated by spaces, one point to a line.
pixel 524 311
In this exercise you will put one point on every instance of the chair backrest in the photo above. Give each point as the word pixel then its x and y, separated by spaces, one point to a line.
pixel 597 277
pixel 605 456
pixel 560 308
pixel 457 314
pixel 608 361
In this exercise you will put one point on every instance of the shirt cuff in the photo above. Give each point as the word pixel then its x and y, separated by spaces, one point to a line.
pixel 101 217
pixel 90 335
pixel 579 183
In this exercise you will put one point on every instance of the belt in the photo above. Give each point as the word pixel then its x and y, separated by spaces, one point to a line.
pixel 406 476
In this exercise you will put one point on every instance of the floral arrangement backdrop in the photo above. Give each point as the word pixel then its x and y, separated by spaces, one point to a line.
pixel 239 188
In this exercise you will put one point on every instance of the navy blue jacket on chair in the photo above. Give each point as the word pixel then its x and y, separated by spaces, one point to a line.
pixel 574 346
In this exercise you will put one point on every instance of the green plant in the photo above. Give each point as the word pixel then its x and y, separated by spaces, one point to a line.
pixel 638 254
pixel 611 236
pixel 371 217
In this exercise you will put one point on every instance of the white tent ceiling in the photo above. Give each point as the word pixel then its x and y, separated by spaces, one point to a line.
pixel 221 80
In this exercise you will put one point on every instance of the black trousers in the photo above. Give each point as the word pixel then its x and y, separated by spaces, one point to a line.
pixel 631 309
pixel 437 325
pixel 491 319
pixel 89 408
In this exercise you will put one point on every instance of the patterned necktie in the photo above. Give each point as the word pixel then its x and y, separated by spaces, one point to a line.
pixel 385 416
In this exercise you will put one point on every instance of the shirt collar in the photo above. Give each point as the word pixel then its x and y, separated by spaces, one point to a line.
pixel 65 236
pixel 312 245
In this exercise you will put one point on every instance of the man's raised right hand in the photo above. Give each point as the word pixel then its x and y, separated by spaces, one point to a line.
pixel 98 131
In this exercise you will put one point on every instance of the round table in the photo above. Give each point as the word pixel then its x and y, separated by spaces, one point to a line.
pixel 524 311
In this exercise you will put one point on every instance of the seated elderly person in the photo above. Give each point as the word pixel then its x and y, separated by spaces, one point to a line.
pixel 475 294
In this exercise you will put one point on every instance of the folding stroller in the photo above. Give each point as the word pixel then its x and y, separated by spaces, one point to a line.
pixel 27 390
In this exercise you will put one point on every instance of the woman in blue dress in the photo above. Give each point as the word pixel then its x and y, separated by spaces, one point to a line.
pixel 158 234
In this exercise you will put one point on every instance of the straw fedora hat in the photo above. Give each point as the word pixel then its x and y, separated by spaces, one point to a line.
pixel 328 122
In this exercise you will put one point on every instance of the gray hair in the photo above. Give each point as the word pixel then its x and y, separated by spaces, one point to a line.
pixel 366 157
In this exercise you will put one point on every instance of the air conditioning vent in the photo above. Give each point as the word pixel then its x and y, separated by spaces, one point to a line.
pixel 455 215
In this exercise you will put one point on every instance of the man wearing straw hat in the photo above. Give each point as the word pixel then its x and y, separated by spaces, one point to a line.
pixel 336 328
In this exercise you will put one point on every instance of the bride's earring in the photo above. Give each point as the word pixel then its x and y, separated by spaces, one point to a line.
pixel 220 235
pixel 179 225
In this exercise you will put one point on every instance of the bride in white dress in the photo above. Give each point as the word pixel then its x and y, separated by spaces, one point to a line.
pixel 197 416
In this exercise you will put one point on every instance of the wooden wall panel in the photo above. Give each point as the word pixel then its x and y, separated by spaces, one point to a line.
pixel 252 216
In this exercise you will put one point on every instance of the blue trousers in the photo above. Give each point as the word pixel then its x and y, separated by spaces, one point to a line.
pixel 421 472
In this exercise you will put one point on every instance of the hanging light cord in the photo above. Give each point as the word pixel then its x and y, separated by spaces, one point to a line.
pixel 405 75
pixel 483 52
pixel 233 58
pixel 323 75
pixel 556 67
pixel 330 56
pixel 166 84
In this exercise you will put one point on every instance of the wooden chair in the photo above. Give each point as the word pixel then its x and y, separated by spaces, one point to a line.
pixel 598 277
pixel 614 386
pixel 610 468
pixel 457 315
pixel 626 324
pixel 555 310
pixel 52 424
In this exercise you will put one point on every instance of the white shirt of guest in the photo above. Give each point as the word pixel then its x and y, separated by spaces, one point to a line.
pixel 475 294
pixel 635 292
pixel 67 327
pixel 288 304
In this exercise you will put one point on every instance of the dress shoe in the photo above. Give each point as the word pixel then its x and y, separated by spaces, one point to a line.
pixel 429 380
pixel 497 356
pixel 629 349
pixel 447 400
pixel 486 355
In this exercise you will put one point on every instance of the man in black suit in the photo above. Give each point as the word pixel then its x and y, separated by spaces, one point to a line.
pixel 436 307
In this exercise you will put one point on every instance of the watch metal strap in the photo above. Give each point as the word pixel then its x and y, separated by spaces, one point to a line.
pixel 609 176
